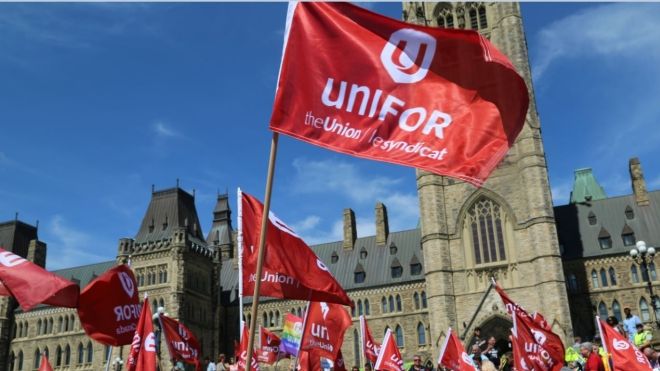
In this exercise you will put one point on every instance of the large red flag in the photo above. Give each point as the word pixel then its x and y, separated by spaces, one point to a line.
pixel 389 357
pixel 270 346
pixel 540 320
pixel 241 360
pixel 45 365
pixel 324 329
pixel 443 100
pixel 453 355
pixel 109 307
pixel 510 305
pixel 625 356
pixel 182 343
pixel 371 348
pixel 291 269
pixel 143 349
pixel 30 284
pixel 542 349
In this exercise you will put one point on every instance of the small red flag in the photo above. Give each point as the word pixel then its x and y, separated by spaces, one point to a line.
pixel 542 349
pixel 181 341
pixel 324 329
pixel 30 284
pixel 45 365
pixel 109 307
pixel 510 305
pixel 371 348
pixel 270 346
pixel 291 269
pixel 453 355
pixel 389 357
pixel 143 348
pixel 241 360
pixel 625 356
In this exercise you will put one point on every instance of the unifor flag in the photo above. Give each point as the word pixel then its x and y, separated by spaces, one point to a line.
pixel 453 356
pixel 142 356
pixel 625 356
pixel 356 82
pixel 270 346
pixel 324 329
pixel 241 360
pixel 45 365
pixel 537 348
pixel 371 347
pixel 109 307
pixel 181 342
pixel 291 270
pixel 292 329
pixel 389 357
pixel 31 285
pixel 540 320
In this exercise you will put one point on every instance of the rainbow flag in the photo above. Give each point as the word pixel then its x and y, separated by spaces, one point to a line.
pixel 291 335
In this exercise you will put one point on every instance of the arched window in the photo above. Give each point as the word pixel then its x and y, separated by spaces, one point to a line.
pixel 90 352
pixel 483 22
pixel 50 326
pixel 657 308
pixel 572 283
pixel 612 273
pixel 616 309
pixel 633 274
pixel 396 268
pixel 360 309
pixel 383 303
pixel 399 336
pixel 46 352
pixel 416 300
pixel 444 15
pixel 629 212
pixel 353 308
pixel 594 279
pixel 67 355
pixel 654 276
pixel 20 360
pixel 161 303
pixel 473 19
pixel 66 323
pixel 12 358
pixel 390 300
pixel 39 327
pixel 602 311
pixel 37 358
pixel 398 303
pixel 265 319
pixel 277 318
pixel 644 309
pixel 359 275
pixel 421 334
pixel 367 311
pixel 604 239
pixel 72 322
pixel 271 319
pixel 603 277
pixel 334 258
pixel 424 299
pixel 356 348
pixel 485 220
pixel 81 354
pixel 60 326
pixel 628 236
pixel 58 356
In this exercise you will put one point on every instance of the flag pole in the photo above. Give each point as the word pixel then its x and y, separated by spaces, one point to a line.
pixel 107 364
pixel 302 337
pixel 260 253
pixel 362 353
pixel 239 239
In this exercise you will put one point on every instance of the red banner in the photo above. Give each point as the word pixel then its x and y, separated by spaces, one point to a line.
pixel 324 329
pixel 453 355
pixel 510 305
pixel 143 349
pixel 540 320
pixel 45 365
pixel 625 356
pixel 270 346
pixel 291 269
pixel 241 360
pixel 109 307
pixel 30 284
pixel 543 349
pixel 442 100
pixel 389 357
pixel 371 348
pixel 180 340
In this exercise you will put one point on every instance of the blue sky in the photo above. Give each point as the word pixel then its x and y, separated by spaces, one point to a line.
pixel 99 101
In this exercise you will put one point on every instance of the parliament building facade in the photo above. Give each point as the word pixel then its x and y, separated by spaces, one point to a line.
pixel 569 262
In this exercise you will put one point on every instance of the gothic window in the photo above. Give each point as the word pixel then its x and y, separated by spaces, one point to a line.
pixel 602 311
pixel 58 356
pixel 572 283
pixel 66 323
pixel 46 352
pixel 11 361
pixel 399 336
pixel 592 218
pixel 334 258
pixel 644 310
pixel 20 360
pixel 67 355
pixel 50 326
pixel 390 300
pixel 383 303
pixel 485 219
pixel 603 277
pixel 645 273
pixel 81 354
pixel 353 308
pixel 398 303
pixel 415 266
pixel 363 253
pixel 39 327
pixel 604 239
pixel 72 321
pixel 654 276
pixel 265 319
pixel 37 358
pixel 616 308
pixel 396 268
pixel 421 334
pixel 612 273
pixel 360 311
pixel 630 214
pixel 416 300
pixel 444 15
pixel 657 308
pixel 161 303
pixel 633 274
pixel 628 236
pixel 393 249
pixel 277 318
pixel 359 274
pixel 473 19
pixel 356 348
pixel 594 279
pixel 90 352
pixel 483 22
pixel 424 299
pixel 367 311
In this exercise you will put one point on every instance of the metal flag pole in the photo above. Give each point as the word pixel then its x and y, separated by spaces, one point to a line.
pixel 239 239
pixel 107 364
pixel 476 312
pixel 363 324
pixel 260 253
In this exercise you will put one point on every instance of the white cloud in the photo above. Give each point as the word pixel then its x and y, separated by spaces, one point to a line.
pixel 163 130
pixel 306 225
pixel 626 29
pixel 68 246
pixel 561 192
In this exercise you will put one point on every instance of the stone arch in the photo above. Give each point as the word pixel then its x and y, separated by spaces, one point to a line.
pixel 495 325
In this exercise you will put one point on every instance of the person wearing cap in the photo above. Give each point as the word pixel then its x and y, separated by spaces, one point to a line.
pixel 642 339
pixel 630 323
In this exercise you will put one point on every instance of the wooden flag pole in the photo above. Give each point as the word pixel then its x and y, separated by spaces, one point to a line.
pixel 260 253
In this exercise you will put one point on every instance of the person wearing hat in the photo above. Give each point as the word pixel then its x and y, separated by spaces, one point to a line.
pixel 630 323
pixel 643 337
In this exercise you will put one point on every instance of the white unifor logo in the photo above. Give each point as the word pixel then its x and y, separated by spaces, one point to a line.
pixel 150 343
pixel 127 284
pixel 280 224
pixel 183 333
pixel 539 337
pixel 321 265
pixel 620 344
pixel 325 309
pixel 405 70
pixel 10 260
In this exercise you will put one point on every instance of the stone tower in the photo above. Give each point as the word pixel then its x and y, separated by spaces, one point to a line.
pixel 505 229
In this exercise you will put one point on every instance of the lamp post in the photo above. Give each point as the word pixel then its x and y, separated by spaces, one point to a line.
pixel 117 364
pixel 643 256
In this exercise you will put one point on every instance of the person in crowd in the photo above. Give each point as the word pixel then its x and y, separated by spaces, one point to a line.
pixel 367 366
pixel 630 323
pixel 476 338
pixel 652 356
pixel 491 352
pixel 417 363
pixel 233 366
pixel 210 366
pixel 594 362
pixel 614 323
pixel 477 356
pixel 221 365
pixel 643 336
pixel 506 362
pixel 355 368
pixel 488 366
pixel 577 341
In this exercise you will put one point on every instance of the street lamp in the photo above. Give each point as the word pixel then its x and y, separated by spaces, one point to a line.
pixel 643 256
pixel 117 364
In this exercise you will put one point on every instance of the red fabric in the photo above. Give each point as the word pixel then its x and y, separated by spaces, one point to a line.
pixel 180 340
pixel 594 363
pixel 625 356
pixel 241 360
pixel 109 307
pixel 143 349
pixel 389 357
pixel 453 355
pixel 309 361
pixel 541 349
pixel 291 269
pixel 540 320
pixel 339 364
pixel 509 304
pixel 45 365
pixel 270 346
pixel 30 284
pixel 324 329
pixel 449 98
pixel 371 348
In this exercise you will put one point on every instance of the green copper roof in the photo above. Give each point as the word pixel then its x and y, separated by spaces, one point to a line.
pixel 585 187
